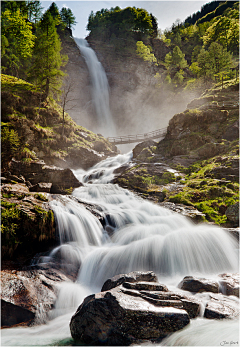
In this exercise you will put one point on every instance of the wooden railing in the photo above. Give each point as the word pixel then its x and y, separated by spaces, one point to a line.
pixel 120 140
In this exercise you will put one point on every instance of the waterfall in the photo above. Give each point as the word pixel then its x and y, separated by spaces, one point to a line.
pixel 100 88
pixel 143 236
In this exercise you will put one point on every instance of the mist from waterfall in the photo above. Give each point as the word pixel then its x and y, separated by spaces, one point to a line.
pixel 100 88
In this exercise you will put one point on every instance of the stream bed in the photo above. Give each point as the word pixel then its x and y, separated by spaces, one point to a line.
pixel 138 235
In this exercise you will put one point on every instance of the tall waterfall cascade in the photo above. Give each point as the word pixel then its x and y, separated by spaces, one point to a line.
pixel 100 88
pixel 137 235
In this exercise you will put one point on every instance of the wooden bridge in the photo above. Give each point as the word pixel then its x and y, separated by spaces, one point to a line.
pixel 120 140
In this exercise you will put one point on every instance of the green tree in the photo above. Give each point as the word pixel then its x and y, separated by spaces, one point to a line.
pixel 67 17
pixel 18 41
pixel 53 9
pixel 213 61
pixel 13 6
pixel 34 10
pixel 203 62
pixel 47 60
pixel 224 30
pixel 154 33
pixel 176 60
pixel 10 145
pixel 144 52
pixel 220 59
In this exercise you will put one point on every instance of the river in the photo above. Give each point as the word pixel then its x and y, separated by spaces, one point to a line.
pixel 145 236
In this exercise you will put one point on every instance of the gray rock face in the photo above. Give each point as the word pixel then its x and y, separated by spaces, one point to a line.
pixel 116 319
pixel 135 276
pixel 198 285
pixel 232 213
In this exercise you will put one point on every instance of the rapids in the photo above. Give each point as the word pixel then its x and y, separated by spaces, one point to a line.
pixel 144 236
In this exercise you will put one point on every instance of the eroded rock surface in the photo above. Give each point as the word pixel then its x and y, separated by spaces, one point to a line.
pixel 116 318
pixel 132 277
pixel 27 296
pixel 38 172
pixel 220 307
pixel 230 284
pixel 196 285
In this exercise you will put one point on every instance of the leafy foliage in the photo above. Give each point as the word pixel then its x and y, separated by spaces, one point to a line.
pixel 18 40
pixel 10 145
pixel 144 52
pixel 117 23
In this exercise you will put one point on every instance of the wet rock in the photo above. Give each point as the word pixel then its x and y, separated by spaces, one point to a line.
pixel 41 187
pixel 28 295
pixel 198 285
pixel 233 231
pixel 114 318
pixel 34 227
pixel 38 172
pixel 232 213
pixel 230 284
pixel 13 315
pixel 220 307
pixel 132 277
pixel 188 211
pixel 145 286
pixel 188 303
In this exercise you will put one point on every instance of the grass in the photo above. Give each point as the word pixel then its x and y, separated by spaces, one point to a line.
pixel 209 195
pixel 14 84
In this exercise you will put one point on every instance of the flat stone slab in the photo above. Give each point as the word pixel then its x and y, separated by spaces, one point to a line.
pixel 132 277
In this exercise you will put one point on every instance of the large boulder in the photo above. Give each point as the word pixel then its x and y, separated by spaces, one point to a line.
pixel 37 172
pixel 132 308
pixel 114 318
pixel 221 307
pixel 230 284
pixel 138 148
pixel 196 285
pixel 28 296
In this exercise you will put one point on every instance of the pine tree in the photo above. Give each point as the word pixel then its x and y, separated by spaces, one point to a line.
pixel 67 17
pixel 34 10
pixel 47 59
pixel 53 9
pixel 154 26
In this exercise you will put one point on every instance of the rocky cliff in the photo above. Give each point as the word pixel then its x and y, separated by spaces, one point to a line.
pixel 197 163
pixel 139 101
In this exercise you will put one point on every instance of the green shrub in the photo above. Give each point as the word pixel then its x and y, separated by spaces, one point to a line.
pixel 10 145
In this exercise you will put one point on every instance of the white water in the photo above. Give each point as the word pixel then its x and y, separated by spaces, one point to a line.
pixel 144 237
pixel 100 89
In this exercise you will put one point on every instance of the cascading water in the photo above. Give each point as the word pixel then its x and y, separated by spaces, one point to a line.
pixel 144 236
pixel 100 88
